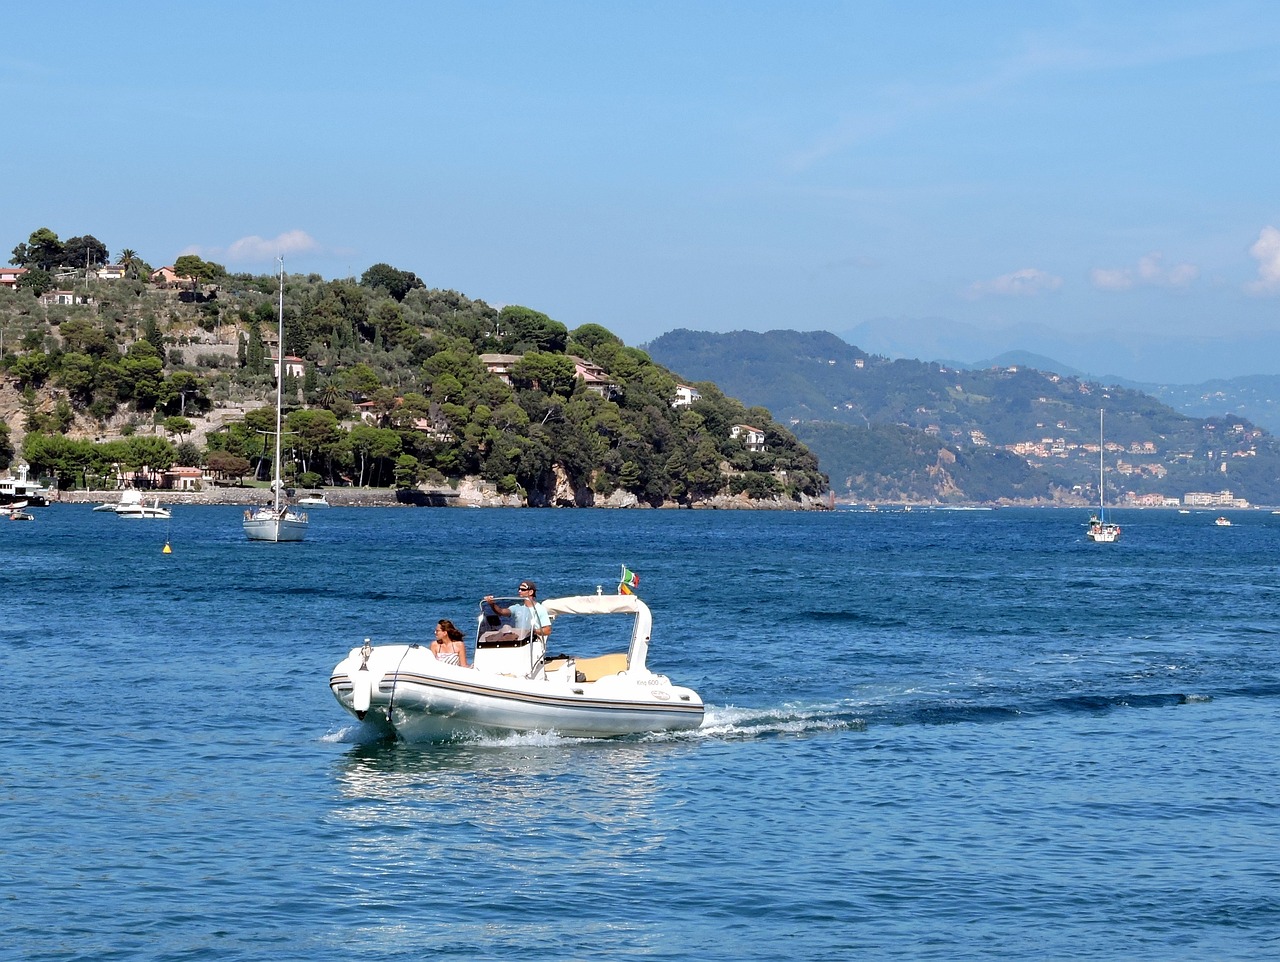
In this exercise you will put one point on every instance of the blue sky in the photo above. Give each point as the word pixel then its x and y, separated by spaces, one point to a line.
pixel 928 176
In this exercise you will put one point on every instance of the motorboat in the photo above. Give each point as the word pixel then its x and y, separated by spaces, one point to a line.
pixel 141 509
pixel 1223 522
pixel 515 684
pixel 17 512
pixel 313 500
pixel 128 497
pixel 31 493
pixel 277 521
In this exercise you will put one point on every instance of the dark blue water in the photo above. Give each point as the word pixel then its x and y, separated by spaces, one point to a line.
pixel 931 735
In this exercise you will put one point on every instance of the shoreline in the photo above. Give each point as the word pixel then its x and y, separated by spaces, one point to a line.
pixel 469 494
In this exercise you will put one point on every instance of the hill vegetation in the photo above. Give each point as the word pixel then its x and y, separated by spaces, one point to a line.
pixel 108 376
pixel 907 430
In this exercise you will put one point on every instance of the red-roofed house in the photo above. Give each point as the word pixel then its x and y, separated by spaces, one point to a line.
pixel 751 438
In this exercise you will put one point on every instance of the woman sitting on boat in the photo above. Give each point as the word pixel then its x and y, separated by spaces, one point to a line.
pixel 449 646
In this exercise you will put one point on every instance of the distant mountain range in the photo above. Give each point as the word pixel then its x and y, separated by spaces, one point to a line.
pixel 1255 397
pixel 1194 375
pixel 1161 357
pixel 1017 427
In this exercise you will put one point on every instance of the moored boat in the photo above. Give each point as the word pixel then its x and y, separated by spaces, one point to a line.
pixel 515 685
pixel 128 497
pixel 1102 531
pixel 140 509
pixel 277 522
pixel 31 493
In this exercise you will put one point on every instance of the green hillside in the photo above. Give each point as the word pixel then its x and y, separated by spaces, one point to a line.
pixel 387 382
pixel 895 429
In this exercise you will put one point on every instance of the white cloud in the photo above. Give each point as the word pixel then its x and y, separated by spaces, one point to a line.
pixel 1112 279
pixel 255 249
pixel 1266 251
pixel 1150 272
pixel 1028 282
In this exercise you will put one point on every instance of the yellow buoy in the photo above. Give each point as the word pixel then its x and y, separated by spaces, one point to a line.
pixel 167 549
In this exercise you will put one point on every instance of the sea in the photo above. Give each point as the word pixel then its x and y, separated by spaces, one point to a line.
pixel 930 735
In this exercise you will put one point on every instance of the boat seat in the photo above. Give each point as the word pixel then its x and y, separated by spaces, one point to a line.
pixel 596 668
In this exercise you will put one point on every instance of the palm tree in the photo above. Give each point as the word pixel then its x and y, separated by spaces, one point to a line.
pixel 128 260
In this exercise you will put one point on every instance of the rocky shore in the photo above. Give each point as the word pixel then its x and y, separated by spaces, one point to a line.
pixel 470 493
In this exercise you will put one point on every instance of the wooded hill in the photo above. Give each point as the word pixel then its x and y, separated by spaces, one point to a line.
pixel 394 391
pixel 906 430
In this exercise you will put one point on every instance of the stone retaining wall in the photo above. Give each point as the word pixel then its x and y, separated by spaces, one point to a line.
pixel 470 493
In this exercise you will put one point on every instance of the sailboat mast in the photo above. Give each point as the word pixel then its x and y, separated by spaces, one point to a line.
pixel 1102 491
pixel 279 383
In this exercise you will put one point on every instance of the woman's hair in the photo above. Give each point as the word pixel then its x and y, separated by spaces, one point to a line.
pixel 450 629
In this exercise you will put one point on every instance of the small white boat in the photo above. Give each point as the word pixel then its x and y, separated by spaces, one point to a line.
pixel 1223 522
pixel 17 512
pixel 130 496
pixel 514 685
pixel 142 510
pixel 1102 531
pixel 316 500
pixel 277 521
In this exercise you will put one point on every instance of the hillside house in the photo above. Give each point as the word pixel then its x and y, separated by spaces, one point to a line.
pixel 685 396
pixel 167 277
pixel 9 276
pixel 752 438
pixel 500 364
pixel 593 377
pixel 64 298
pixel 293 366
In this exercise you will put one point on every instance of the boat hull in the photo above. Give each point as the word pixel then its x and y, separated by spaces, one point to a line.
pixel 404 690
pixel 268 525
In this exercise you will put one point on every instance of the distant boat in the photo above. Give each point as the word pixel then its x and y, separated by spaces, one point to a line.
pixel 316 500
pixel 143 510
pixel 1102 531
pixel 131 496
pixel 1223 522
pixel 16 512
pixel 277 522
pixel 1185 511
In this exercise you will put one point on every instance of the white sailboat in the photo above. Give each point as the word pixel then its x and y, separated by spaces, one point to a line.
pixel 278 521
pixel 1101 530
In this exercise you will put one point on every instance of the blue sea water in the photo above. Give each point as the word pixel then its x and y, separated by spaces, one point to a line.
pixel 931 735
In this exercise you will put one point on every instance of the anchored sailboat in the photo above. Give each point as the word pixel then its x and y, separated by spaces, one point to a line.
pixel 278 522
pixel 1101 530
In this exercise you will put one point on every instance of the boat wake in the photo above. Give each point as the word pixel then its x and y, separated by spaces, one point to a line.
pixel 733 722
pixel 729 722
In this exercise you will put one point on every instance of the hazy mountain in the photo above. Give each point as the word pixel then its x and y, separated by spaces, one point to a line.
pixel 1136 357
pixel 910 430
pixel 1252 396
